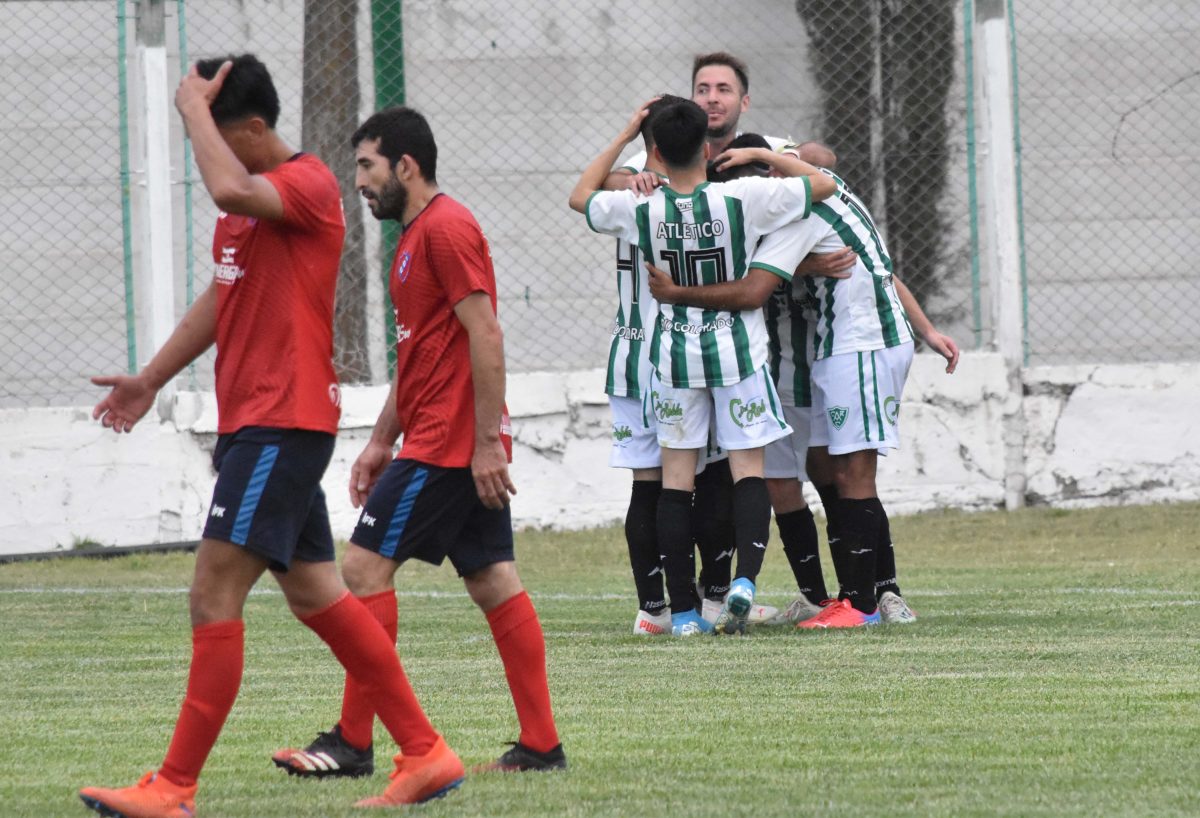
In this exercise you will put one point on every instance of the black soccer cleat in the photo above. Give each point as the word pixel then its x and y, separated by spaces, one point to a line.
pixel 328 756
pixel 520 759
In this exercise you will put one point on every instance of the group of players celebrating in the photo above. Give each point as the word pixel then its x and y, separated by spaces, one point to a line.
pixel 762 340
pixel 715 402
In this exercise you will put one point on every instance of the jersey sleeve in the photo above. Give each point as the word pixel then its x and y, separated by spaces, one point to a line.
pixel 460 259
pixel 635 163
pixel 308 191
pixel 780 252
pixel 772 203
pixel 613 213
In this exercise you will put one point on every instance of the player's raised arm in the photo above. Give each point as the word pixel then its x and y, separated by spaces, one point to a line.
pixel 232 186
pixel 596 173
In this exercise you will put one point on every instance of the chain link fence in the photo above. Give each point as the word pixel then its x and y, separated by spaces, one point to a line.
pixel 521 95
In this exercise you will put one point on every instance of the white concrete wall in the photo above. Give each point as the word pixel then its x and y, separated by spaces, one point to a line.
pixel 1101 434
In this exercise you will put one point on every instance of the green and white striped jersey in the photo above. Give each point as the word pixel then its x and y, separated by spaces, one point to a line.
pixel 637 162
pixel 854 314
pixel 790 335
pixel 705 237
pixel 629 353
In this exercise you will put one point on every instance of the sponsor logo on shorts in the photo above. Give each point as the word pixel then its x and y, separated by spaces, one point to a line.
pixel 622 433
pixel 666 410
pixel 891 409
pixel 748 413
pixel 367 520
pixel 838 415
pixel 217 511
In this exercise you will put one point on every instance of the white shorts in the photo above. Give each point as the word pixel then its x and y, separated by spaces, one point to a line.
pixel 634 436
pixel 785 457
pixel 748 414
pixel 856 399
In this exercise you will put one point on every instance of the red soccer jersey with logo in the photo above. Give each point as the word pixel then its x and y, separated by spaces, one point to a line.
pixel 275 286
pixel 442 258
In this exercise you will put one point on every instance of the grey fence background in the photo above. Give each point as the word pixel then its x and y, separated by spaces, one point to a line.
pixel 522 94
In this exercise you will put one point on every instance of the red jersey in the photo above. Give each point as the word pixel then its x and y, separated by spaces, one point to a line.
pixel 442 258
pixel 276 282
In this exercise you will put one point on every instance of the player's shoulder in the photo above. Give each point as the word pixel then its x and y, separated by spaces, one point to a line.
pixel 307 171
pixel 447 218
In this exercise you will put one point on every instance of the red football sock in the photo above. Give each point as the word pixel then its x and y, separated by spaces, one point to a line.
pixel 213 682
pixel 358 711
pixel 363 648
pixel 522 647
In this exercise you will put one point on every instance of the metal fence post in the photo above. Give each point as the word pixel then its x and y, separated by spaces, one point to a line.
pixel 1000 161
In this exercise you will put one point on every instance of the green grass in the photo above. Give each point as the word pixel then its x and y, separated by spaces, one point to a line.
pixel 1053 672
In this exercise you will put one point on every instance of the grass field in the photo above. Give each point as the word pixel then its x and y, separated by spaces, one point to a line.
pixel 1054 671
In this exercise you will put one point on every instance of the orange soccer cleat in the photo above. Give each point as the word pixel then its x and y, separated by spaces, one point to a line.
pixel 152 797
pixel 420 778
pixel 840 614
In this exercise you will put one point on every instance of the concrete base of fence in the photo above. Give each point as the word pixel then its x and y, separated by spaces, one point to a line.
pixel 1093 435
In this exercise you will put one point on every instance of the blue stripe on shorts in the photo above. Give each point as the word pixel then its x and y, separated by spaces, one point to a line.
pixel 403 510
pixel 254 490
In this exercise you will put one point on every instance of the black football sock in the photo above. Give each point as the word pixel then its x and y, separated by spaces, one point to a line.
pixel 642 538
pixel 751 525
pixel 712 521
pixel 859 521
pixel 829 499
pixel 675 544
pixel 798 531
pixel 885 561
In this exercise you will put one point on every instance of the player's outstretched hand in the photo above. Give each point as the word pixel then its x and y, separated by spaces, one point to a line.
pixel 828 265
pixel 127 403
pixel 664 290
pixel 489 467
pixel 195 89
pixel 943 345
pixel 365 472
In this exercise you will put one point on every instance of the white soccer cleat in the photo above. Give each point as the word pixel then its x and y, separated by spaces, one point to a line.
pixel 797 611
pixel 893 610
pixel 648 625
pixel 761 614
pixel 710 609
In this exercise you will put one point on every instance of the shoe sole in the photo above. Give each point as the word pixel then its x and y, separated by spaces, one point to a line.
pixel 101 807
pixel 339 773
pixel 733 616
pixel 443 792
pixel 495 767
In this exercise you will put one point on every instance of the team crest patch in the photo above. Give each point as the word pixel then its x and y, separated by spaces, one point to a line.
pixel 838 415
pixel 402 267
pixel 891 409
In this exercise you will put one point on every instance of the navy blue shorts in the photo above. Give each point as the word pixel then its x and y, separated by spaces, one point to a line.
pixel 430 513
pixel 268 497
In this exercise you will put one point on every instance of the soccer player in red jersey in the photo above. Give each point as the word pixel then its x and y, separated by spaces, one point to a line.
pixel 269 310
pixel 446 494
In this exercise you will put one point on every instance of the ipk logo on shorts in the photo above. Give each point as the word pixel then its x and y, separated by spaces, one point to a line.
pixel 748 413
pixel 402 267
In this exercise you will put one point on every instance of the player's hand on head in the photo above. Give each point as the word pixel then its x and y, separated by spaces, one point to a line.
pixel 737 156
pixel 365 472
pixel 194 89
pixel 129 399
pixel 634 126
pixel 489 467
pixel 837 264
pixel 662 287
pixel 944 345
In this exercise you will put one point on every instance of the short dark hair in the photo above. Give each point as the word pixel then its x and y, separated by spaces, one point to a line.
pixel 247 90
pixel 746 140
pixel 679 131
pixel 401 131
pixel 663 101
pixel 723 58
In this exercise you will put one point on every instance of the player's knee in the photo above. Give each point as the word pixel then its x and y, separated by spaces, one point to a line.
pixel 493 584
pixel 365 572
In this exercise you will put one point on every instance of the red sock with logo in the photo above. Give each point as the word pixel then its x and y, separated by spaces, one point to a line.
pixel 213 682
pixel 518 635
pixel 365 651
pixel 358 711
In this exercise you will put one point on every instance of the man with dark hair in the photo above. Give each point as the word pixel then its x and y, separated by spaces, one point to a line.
pixel 276 247
pixel 709 367
pixel 446 494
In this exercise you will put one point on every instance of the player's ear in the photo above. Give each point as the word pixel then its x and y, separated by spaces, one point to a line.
pixel 745 103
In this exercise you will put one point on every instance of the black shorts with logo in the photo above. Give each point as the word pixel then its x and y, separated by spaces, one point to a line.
pixel 268 497
pixel 431 512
